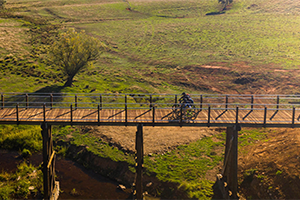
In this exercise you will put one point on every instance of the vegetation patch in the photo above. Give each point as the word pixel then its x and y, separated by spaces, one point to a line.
pixel 187 165
pixel 21 137
pixel 26 182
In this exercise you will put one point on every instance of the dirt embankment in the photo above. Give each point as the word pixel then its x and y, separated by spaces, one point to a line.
pixel 270 169
pixel 239 78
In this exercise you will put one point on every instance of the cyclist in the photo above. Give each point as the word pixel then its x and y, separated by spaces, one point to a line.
pixel 186 100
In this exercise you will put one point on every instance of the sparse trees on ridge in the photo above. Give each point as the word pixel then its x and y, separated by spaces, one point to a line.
pixel 74 51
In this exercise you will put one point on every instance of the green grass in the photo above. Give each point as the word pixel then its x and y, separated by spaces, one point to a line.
pixel 96 146
pixel 251 136
pixel 164 36
pixel 20 137
pixel 16 185
pixel 187 165
pixel 196 41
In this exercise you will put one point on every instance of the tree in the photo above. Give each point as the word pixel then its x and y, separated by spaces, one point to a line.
pixel 74 51
pixel 225 3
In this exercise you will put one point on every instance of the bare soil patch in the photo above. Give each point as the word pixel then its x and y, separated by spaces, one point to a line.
pixel 156 139
pixel 275 164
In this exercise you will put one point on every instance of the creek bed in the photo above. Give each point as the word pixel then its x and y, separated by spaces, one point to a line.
pixel 76 182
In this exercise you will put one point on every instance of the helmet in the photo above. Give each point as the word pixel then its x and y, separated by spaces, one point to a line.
pixel 183 93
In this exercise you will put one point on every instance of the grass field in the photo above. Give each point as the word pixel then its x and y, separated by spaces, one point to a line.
pixel 153 40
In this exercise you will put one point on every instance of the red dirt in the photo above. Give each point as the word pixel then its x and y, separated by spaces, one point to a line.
pixel 277 163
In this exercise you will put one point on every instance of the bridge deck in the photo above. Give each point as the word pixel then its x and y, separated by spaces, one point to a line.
pixel 158 117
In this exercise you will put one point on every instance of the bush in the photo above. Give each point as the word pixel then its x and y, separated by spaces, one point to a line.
pixel 5 192
pixel 26 153
pixel 22 188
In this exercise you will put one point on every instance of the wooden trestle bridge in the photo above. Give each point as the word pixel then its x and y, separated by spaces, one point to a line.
pixel 209 110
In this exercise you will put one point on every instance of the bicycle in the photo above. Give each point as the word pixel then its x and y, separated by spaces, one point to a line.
pixel 187 113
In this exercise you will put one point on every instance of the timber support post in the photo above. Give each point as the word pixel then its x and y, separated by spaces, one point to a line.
pixel 139 146
pixel 51 187
pixel 231 160
pixel 2 101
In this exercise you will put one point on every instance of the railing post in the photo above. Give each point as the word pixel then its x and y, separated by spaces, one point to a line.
pixel 201 102
pixel 76 99
pixel 27 104
pixel 44 112
pixel 265 117
pixel 126 110
pixel 71 113
pixel 98 115
pixel 237 115
pixel 293 117
pixel 2 101
pixel 153 115
pixel 226 102
pixel 101 101
pixel 277 102
pixel 208 117
pixel 181 115
pixel 151 101
pixel 176 99
pixel 17 112
pixel 252 101
pixel 51 100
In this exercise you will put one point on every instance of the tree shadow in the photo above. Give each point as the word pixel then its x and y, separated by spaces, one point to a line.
pixel 215 13
pixel 50 89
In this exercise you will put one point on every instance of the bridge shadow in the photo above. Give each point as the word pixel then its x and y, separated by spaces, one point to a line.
pixel 143 114
pixel 274 115
pixel 220 115
pixel 12 100
pixel 247 114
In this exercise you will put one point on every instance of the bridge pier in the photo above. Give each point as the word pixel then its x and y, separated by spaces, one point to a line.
pixel 230 167
pixel 51 187
pixel 139 147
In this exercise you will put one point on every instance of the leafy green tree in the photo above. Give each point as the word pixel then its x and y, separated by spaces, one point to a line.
pixel 225 3
pixel 2 3
pixel 75 51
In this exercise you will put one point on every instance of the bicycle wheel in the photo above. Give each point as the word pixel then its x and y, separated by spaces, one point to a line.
pixel 190 113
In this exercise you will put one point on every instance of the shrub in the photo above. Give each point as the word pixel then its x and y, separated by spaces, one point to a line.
pixel 26 153
pixel 5 192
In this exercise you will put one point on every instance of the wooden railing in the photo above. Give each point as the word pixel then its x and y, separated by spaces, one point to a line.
pixel 211 107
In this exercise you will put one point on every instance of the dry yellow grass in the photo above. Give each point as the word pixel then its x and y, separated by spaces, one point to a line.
pixel 13 37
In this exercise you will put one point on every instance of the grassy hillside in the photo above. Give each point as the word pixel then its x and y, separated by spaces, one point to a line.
pixel 158 46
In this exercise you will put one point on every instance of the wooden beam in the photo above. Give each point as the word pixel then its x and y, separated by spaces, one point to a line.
pixel 231 159
pixel 2 101
pixel 48 166
pixel 139 146
pixel 50 160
